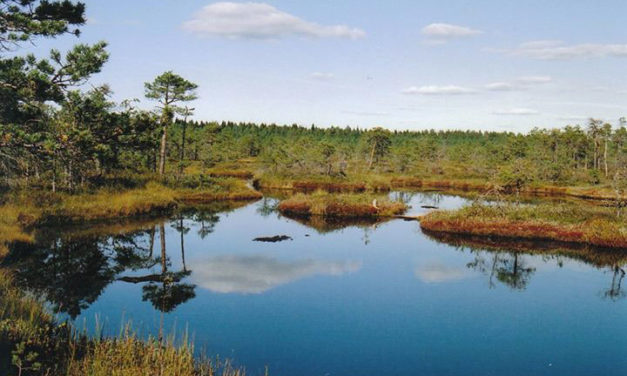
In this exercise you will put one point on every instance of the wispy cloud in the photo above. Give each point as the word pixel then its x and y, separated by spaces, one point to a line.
pixel 438 90
pixel 260 21
pixel 437 33
pixel 558 50
pixel 516 111
pixel 519 83
pixel 532 80
pixel 322 76
pixel 500 86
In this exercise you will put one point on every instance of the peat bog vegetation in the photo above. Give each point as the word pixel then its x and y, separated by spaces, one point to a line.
pixel 70 156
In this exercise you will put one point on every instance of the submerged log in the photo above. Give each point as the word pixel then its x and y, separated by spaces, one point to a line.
pixel 272 239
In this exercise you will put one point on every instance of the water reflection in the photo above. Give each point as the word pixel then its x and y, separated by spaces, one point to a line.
pixel 257 274
pixel 165 290
pixel 439 273
pixel 615 292
pixel 70 268
pixel 505 260
pixel 509 268
pixel 71 272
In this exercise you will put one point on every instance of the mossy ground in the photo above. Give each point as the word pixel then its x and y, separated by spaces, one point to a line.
pixel 341 205
pixel 589 224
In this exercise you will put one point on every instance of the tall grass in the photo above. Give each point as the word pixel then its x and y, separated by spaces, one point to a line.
pixel 106 204
pixel 127 355
pixel 33 343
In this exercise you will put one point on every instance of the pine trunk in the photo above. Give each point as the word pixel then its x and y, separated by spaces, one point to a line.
pixel 164 139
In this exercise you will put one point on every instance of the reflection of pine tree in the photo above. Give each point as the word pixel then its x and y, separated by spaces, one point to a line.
pixel 179 225
pixel 507 267
pixel 615 291
pixel 513 272
pixel 480 264
pixel 207 220
pixel 72 271
pixel 267 207
pixel 165 290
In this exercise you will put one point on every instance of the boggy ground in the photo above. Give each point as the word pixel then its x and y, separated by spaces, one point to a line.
pixel 386 182
pixel 341 205
pixel 568 223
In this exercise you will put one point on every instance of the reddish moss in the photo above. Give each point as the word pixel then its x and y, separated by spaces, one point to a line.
pixel 294 207
pixel 239 174
pixel 528 230
pixel 311 186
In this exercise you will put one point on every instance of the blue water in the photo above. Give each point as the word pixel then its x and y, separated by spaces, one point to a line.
pixel 366 299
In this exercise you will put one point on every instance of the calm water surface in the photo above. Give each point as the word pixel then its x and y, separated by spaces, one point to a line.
pixel 364 299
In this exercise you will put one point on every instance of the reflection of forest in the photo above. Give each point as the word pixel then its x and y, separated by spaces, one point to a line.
pixel 71 267
pixel 325 225
pixel 504 259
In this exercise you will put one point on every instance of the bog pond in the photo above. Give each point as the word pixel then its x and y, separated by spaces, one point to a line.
pixel 337 298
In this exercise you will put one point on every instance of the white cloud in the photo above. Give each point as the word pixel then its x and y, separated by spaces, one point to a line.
pixel 531 80
pixel 260 21
pixel 500 86
pixel 322 76
pixel 516 111
pixel 438 90
pixel 520 83
pixel 440 273
pixel 558 50
pixel 257 274
pixel 438 33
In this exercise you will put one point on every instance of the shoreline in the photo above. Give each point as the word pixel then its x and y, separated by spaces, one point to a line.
pixel 382 183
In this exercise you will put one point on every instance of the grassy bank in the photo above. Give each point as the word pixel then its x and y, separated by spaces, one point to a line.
pixel 587 224
pixel 32 342
pixel 341 206
pixel 24 209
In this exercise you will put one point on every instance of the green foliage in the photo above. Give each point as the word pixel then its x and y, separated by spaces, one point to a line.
pixel 22 20
pixel 170 88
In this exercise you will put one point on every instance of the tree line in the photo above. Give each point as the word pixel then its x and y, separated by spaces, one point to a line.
pixel 55 135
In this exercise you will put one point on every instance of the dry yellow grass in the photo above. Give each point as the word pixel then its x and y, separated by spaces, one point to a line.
pixel 129 356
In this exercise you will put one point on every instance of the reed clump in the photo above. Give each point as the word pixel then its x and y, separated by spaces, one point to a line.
pixel 127 355
pixel 341 205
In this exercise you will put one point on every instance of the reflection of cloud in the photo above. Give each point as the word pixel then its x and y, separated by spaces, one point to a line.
pixel 438 273
pixel 257 274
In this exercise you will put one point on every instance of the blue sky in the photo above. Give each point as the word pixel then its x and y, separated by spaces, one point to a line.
pixel 491 65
